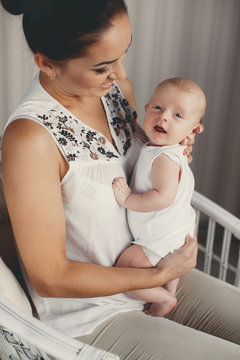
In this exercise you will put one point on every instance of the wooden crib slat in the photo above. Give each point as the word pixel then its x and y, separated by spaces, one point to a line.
pixel 225 254
pixel 209 246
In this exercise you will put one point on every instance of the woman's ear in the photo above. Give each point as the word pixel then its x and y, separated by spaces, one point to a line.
pixel 45 65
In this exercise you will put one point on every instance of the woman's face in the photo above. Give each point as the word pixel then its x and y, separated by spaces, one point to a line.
pixel 93 74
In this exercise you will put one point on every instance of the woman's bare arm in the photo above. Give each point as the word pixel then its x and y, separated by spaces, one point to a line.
pixel 31 169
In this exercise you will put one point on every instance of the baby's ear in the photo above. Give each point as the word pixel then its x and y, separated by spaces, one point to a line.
pixel 146 107
pixel 195 127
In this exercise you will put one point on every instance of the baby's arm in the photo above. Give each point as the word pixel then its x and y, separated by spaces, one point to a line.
pixel 165 179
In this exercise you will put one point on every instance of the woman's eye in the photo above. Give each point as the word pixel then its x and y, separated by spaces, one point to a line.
pixel 178 115
pixel 101 71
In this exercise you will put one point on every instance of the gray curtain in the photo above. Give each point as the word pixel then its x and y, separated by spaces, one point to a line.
pixel 198 39
pixel 17 66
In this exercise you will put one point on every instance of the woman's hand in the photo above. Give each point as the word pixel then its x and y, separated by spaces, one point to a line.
pixel 182 260
pixel 189 141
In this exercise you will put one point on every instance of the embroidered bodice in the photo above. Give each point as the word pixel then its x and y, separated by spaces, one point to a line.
pixel 74 135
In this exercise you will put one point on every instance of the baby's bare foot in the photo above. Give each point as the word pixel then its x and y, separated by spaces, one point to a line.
pixel 121 190
pixel 162 309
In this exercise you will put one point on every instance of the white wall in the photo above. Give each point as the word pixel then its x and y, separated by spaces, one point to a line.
pixel 17 67
pixel 198 39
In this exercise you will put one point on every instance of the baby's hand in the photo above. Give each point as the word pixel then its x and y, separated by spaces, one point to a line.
pixel 121 190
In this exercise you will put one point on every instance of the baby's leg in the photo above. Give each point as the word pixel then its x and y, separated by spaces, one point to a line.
pixel 167 302
pixel 171 286
pixel 163 300
pixel 133 256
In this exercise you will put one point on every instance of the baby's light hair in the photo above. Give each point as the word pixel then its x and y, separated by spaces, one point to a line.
pixel 190 86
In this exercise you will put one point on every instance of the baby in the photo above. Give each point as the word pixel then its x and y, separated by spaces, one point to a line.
pixel 159 201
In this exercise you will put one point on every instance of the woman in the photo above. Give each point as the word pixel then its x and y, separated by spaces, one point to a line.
pixel 58 172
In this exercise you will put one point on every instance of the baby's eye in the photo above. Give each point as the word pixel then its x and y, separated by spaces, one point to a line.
pixel 157 107
pixel 178 115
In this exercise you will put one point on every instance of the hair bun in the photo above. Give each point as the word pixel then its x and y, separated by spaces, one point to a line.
pixel 15 7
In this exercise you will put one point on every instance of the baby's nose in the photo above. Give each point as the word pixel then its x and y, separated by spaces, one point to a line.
pixel 163 116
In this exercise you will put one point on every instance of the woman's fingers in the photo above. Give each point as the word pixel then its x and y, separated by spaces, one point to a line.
pixel 189 141
pixel 190 158
pixel 188 150
pixel 191 249
pixel 191 241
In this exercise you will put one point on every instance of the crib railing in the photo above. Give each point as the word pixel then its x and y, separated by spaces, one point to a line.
pixel 215 216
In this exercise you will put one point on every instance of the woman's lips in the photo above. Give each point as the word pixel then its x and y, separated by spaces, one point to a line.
pixel 107 85
pixel 159 129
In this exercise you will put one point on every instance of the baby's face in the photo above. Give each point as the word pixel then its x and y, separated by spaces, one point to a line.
pixel 171 115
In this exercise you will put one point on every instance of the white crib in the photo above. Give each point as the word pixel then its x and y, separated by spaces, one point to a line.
pixel 223 231
pixel 22 335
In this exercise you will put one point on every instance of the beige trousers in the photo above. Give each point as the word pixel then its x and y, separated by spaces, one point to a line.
pixel 205 324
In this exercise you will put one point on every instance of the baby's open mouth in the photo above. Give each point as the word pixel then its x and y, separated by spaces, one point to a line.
pixel 159 129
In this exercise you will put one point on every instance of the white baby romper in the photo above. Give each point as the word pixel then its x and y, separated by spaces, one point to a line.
pixel 161 232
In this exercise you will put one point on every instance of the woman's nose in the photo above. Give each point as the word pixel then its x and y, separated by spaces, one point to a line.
pixel 118 72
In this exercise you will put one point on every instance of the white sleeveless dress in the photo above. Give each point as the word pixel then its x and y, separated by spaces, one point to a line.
pixel 96 226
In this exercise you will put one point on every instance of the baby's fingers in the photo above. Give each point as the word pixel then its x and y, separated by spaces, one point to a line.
pixel 119 180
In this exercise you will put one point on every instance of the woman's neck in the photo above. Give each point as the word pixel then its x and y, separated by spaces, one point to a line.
pixel 64 97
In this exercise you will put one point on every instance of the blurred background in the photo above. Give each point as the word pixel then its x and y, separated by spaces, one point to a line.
pixel 198 39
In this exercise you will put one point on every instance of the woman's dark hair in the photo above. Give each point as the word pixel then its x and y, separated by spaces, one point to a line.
pixel 63 29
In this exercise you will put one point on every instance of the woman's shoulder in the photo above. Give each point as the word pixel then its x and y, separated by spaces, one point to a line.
pixel 24 137
pixel 34 101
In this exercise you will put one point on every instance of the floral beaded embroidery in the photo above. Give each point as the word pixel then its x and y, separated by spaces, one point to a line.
pixel 123 117
pixel 74 137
